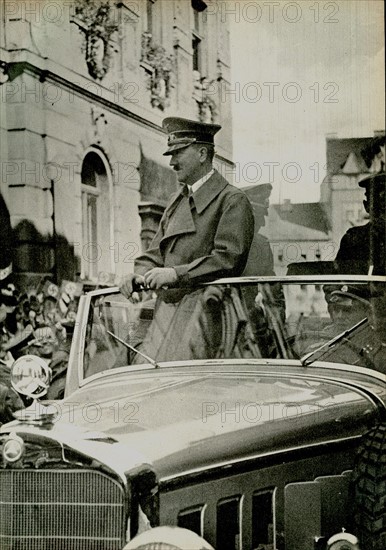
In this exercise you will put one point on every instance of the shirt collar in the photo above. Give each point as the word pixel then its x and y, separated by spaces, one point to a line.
pixel 196 186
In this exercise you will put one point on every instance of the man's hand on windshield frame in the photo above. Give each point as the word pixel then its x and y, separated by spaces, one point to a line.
pixel 131 283
pixel 159 277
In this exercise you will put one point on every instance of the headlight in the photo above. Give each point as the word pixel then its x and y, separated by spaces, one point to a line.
pixel 168 538
pixel 30 376
pixel 13 448
pixel 343 541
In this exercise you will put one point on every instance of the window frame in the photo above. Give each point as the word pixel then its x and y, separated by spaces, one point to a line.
pixel 91 269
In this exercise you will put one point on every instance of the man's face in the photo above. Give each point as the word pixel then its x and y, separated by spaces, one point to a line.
pixel 46 341
pixel 186 163
pixel 379 207
pixel 3 313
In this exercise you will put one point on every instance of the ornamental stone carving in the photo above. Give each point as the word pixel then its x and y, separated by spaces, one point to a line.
pixel 203 91
pixel 94 18
pixel 159 70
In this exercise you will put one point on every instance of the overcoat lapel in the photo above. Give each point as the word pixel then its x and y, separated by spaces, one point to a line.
pixel 179 216
pixel 209 191
pixel 180 219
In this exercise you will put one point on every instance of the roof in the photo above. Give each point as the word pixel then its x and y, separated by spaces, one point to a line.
pixel 309 214
pixel 364 149
pixel 355 164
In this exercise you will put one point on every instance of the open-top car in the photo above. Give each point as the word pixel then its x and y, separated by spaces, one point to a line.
pixel 255 418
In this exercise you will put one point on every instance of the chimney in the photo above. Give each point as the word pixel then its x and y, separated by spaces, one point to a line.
pixel 286 206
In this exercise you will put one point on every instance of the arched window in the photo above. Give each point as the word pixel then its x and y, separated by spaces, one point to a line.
pixel 97 227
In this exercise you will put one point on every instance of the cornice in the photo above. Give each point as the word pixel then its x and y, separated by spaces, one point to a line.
pixel 46 75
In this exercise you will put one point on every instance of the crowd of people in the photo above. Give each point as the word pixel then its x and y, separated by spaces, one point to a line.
pixel 36 322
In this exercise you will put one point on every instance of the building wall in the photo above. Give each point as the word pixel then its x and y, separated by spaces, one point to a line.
pixel 72 91
pixel 292 243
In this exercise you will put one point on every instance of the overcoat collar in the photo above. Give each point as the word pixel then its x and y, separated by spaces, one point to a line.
pixel 179 214
pixel 209 191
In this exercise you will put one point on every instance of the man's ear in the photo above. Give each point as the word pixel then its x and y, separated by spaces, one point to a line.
pixel 203 154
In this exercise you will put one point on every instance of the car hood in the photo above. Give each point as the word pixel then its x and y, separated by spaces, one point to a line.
pixel 192 418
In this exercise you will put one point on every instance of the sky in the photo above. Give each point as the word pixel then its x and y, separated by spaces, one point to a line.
pixel 302 70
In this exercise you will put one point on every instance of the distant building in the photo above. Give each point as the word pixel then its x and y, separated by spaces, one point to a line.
pixel 348 161
pixel 312 231
pixel 85 86
pixel 298 233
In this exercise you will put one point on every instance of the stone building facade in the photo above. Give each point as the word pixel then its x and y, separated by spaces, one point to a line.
pixel 85 86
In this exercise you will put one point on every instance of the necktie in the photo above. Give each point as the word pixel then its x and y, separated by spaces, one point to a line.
pixel 187 191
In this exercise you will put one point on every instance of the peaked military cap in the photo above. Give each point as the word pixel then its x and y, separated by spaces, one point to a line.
pixel 373 180
pixel 182 132
pixel 347 293
pixel 258 194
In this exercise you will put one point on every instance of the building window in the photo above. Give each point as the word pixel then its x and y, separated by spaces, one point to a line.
pixel 228 523
pixel 96 217
pixel 263 520
pixel 353 213
pixel 150 15
pixel 154 20
pixel 198 36
pixel 193 519
pixel 196 44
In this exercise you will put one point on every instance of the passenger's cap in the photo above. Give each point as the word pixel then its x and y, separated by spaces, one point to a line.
pixel 374 181
pixel 183 132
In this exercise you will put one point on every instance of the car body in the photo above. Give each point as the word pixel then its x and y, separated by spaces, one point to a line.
pixel 261 434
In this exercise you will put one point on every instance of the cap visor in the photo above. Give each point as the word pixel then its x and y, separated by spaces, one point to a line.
pixel 175 147
pixel 376 179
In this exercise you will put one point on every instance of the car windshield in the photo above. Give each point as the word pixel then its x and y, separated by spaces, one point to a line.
pixel 342 321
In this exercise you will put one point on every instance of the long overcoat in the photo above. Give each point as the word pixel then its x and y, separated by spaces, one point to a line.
pixel 203 237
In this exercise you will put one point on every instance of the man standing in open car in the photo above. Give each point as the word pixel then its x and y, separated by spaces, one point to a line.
pixel 362 248
pixel 205 232
pixel 363 251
